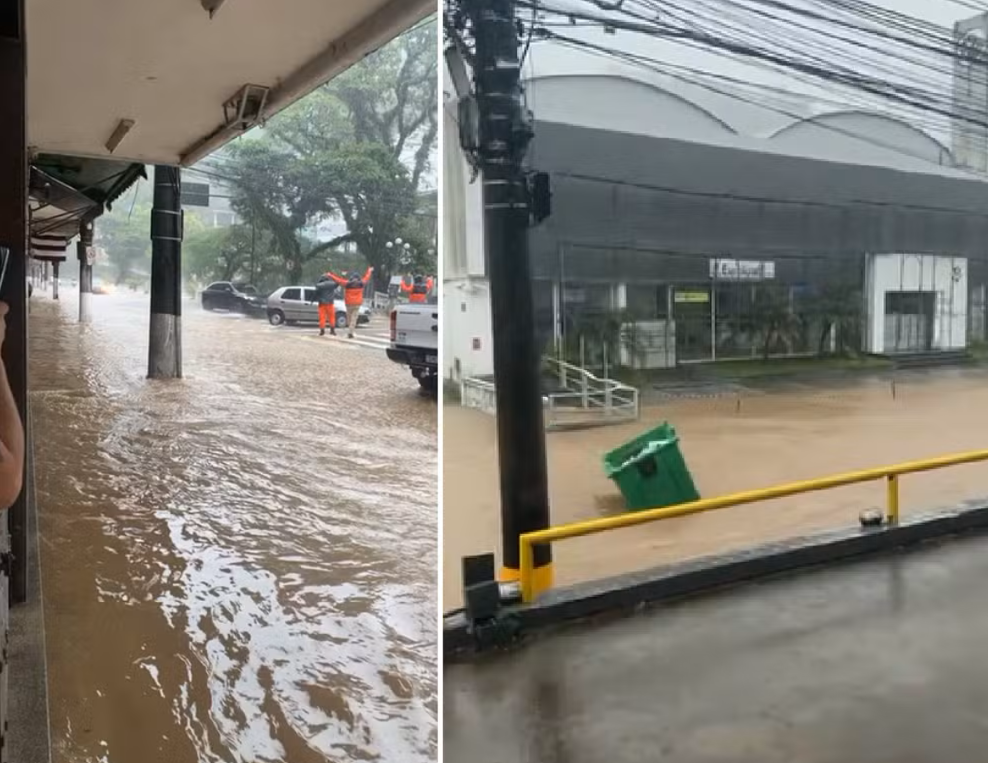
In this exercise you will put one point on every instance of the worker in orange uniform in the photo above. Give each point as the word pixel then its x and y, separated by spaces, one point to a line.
pixel 326 297
pixel 419 289
pixel 353 296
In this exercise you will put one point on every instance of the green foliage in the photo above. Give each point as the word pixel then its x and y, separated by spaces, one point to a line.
pixel 390 99
pixel 358 149
pixel 773 319
pixel 838 306
pixel 222 254
pixel 125 235
pixel 282 194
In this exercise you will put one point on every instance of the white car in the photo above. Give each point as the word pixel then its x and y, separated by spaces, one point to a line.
pixel 297 304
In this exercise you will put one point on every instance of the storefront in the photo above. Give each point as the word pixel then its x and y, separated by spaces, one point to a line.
pixel 708 234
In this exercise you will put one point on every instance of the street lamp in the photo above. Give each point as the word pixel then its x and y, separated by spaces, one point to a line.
pixel 402 257
pixel 404 250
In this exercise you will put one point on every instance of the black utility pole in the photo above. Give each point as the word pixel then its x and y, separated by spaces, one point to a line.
pixel 504 133
pixel 165 346
pixel 253 245
pixel 84 251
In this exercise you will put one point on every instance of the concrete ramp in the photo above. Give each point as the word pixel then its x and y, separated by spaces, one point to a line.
pixel 884 660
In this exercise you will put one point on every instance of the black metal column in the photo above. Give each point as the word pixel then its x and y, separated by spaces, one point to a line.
pixel 504 138
pixel 54 283
pixel 165 346
pixel 84 251
pixel 13 235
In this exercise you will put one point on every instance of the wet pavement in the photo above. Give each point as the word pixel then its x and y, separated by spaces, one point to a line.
pixel 238 566
pixel 879 662
pixel 744 439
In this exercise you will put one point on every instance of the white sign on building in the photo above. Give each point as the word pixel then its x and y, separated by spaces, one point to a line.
pixel 742 270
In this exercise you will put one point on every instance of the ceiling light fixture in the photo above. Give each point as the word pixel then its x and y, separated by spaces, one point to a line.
pixel 211 6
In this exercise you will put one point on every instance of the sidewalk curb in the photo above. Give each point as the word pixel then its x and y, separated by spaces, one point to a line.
pixel 626 594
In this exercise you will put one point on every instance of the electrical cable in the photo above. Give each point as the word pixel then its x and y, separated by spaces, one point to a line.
pixel 903 95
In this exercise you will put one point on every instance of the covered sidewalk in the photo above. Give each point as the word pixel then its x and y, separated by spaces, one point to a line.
pixel 90 93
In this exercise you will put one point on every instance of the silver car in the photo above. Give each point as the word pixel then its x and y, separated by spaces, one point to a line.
pixel 297 304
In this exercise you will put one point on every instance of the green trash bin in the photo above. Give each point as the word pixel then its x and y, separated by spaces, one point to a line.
pixel 650 470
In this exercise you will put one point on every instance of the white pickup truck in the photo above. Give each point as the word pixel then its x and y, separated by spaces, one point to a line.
pixel 415 341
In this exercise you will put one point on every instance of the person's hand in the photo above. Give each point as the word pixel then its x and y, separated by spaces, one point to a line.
pixel 4 309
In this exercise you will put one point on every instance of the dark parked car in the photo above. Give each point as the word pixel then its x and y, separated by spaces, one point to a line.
pixel 236 298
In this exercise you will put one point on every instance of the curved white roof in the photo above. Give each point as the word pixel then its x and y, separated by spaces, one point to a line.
pixel 735 115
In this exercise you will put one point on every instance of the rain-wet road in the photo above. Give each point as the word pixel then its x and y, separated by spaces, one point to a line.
pixel 876 662
pixel 239 566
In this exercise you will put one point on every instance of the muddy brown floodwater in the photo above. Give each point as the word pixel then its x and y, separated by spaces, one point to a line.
pixel 239 566
pixel 770 437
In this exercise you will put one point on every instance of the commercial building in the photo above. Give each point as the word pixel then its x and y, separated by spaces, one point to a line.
pixel 694 221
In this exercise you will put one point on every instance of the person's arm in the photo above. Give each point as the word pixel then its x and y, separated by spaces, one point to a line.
pixel 336 278
pixel 429 283
pixel 367 275
pixel 11 433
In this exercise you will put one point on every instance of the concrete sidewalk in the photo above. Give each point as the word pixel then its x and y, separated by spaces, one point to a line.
pixel 880 661
pixel 29 733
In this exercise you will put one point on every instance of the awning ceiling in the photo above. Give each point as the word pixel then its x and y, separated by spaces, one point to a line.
pixel 168 67
pixel 101 180
pixel 64 190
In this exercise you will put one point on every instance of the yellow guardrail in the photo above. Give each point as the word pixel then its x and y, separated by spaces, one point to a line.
pixel 891 474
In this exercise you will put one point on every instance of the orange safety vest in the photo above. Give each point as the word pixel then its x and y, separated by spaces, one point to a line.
pixel 353 291
pixel 419 291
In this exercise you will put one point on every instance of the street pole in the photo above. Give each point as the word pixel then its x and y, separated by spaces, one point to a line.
pixel 83 250
pixel 253 245
pixel 165 341
pixel 504 136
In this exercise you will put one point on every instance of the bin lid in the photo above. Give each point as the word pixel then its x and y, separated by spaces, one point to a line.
pixel 650 449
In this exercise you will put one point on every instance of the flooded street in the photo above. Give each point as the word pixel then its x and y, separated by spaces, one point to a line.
pixel 731 443
pixel 239 566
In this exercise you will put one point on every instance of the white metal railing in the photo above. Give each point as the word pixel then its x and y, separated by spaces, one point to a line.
pixel 479 394
pixel 586 398
pixel 381 301
pixel 583 400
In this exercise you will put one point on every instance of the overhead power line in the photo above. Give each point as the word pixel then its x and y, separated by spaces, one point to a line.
pixel 859 48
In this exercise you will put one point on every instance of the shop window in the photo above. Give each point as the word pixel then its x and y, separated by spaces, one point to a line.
pixel 648 301
pixel 909 302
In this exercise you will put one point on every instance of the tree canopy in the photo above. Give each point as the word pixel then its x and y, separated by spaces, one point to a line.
pixel 358 149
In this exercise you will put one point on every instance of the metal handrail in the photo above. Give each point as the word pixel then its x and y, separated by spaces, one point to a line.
pixel 891 474
pixel 583 376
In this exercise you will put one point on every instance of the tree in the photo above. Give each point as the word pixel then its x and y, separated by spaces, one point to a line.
pixel 218 254
pixel 837 307
pixel 389 99
pixel 358 149
pixel 125 234
pixel 372 131
pixel 773 318
pixel 282 193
